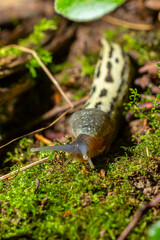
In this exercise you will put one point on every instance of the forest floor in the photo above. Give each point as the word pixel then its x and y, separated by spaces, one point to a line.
pixel 53 201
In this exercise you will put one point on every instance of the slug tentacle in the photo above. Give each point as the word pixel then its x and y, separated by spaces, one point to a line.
pixel 96 126
pixel 80 148
pixel 65 148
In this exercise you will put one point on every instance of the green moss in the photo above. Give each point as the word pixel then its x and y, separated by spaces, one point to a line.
pixel 112 34
pixel 72 203
pixel 65 79
pixel 21 153
pixel 144 44
pixel 35 40
pixel 79 94
pixel 52 201
pixel 88 64
pixel 56 68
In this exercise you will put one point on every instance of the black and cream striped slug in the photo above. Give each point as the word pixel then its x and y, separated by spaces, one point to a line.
pixel 96 125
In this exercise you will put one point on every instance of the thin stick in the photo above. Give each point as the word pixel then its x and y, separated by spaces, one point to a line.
pixel 36 131
pixel 45 69
pixel 48 73
pixel 23 168
pixel 140 212
pixel 119 22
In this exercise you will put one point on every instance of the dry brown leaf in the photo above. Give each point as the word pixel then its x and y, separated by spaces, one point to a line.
pixel 143 81
pixel 152 4
pixel 150 68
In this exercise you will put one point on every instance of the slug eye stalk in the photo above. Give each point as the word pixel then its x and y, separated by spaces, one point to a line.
pixel 79 149
pixel 64 148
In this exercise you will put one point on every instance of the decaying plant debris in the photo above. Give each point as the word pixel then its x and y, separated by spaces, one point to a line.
pixel 50 200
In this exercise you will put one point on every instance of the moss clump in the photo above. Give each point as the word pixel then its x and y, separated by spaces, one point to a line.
pixel 88 64
pixel 144 44
pixel 36 38
pixel 51 201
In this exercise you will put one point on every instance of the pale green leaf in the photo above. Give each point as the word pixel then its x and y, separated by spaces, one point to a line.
pixel 85 10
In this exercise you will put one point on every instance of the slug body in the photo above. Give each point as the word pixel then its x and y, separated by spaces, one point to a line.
pixel 96 126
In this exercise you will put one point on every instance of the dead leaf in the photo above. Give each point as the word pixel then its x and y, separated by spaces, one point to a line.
pixel 151 68
pixel 143 81
pixel 152 4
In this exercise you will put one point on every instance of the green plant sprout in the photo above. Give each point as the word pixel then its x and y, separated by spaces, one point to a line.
pixel 88 64
pixel 112 34
pixel 140 42
pixel 137 42
pixel 34 40
pixel 151 139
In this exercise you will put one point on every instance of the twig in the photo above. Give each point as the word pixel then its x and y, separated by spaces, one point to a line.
pixel 119 22
pixel 140 212
pixel 48 73
pixel 36 131
pixel 45 69
pixel 23 168
pixel 49 114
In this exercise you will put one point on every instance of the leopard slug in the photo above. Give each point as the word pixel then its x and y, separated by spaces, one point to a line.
pixel 96 125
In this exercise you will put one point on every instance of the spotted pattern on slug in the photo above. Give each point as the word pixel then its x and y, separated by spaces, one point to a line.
pixel 117 60
pixel 109 76
pixel 98 70
pixel 93 122
pixel 93 90
pixel 98 105
pixel 111 80
pixel 96 126
pixel 111 51
pixel 103 92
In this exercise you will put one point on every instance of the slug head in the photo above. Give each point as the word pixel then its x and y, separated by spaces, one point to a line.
pixel 86 147
pixel 83 148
